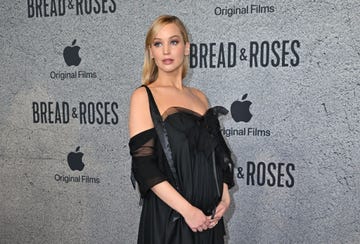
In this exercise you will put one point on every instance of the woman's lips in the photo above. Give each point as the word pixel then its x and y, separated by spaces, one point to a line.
pixel 168 61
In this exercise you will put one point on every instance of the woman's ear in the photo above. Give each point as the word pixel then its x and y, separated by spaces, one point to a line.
pixel 187 49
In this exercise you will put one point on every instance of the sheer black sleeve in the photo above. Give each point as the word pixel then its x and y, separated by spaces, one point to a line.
pixel 222 151
pixel 145 163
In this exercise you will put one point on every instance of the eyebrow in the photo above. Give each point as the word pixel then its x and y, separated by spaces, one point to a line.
pixel 169 37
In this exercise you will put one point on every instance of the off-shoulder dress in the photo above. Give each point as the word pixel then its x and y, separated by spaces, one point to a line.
pixel 202 162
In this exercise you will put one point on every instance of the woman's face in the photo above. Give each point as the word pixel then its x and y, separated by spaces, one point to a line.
pixel 168 49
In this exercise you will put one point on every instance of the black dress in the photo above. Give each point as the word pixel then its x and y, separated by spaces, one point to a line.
pixel 197 146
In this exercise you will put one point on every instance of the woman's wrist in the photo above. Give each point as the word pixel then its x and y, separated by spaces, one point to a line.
pixel 186 209
pixel 226 195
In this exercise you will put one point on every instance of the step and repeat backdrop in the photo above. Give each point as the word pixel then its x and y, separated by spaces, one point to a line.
pixel 287 71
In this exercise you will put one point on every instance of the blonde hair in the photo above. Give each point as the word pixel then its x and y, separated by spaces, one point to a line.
pixel 150 70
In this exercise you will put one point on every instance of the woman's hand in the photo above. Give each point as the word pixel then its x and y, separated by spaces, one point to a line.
pixel 221 208
pixel 193 216
pixel 196 219
pixel 219 213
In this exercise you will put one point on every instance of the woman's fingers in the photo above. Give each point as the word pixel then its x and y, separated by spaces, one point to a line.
pixel 220 210
pixel 202 228
pixel 212 224
pixel 196 220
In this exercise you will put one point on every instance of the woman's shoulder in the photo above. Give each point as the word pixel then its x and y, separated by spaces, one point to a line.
pixel 139 92
pixel 139 99
pixel 201 95
pixel 139 115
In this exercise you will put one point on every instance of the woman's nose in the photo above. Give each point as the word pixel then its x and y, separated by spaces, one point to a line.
pixel 166 49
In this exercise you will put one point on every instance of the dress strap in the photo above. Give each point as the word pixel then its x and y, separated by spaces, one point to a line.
pixel 152 103
pixel 162 134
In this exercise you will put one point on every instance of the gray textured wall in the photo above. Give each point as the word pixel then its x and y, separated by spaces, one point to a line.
pixel 306 104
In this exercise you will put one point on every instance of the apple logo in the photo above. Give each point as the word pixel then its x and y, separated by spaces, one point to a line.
pixel 75 160
pixel 71 54
pixel 240 111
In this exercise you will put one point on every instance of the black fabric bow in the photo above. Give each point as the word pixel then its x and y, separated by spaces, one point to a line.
pixel 206 137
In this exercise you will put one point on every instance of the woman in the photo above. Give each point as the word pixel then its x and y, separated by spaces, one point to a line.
pixel 184 196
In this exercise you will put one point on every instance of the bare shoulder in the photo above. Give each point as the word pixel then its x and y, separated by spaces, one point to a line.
pixel 200 95
pixel 139 100
pixel 139 93
pixel 139 115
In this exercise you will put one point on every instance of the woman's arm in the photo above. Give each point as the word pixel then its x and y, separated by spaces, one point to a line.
pixel 139 114
pixel 222 207
pixel 193 216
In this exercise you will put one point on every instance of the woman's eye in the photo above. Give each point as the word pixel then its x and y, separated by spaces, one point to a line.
pixel 157 44
pixel 174 42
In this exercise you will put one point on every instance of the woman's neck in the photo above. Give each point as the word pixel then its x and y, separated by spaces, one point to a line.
pixel 169 80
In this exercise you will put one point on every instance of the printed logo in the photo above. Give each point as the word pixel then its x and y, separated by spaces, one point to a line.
pixel 72 58
pixel 100 113
pixel 71 54
pixel 267 174
pixel 75 160
pixel 240 110
pixel 243 10
pixel 274 53
pixel 55 8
